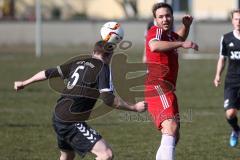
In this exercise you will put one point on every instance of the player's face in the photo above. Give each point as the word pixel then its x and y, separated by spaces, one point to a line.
pixel 236 21
pixel 164 18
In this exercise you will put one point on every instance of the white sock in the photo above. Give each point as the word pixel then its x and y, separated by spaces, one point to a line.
pixel 166 150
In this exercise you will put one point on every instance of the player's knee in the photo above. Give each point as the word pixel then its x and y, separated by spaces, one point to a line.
pixel 67 155
pixel 231 113
pixel 173 130
pixel 170 127
pixel 106 155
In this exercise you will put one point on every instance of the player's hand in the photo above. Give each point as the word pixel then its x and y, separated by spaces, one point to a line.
pixel 217 81
pixel 187 20
pixel 18 85
pixel 190 44
pixel 140 106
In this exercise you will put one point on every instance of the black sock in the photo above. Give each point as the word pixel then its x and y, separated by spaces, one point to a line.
pixel 234 123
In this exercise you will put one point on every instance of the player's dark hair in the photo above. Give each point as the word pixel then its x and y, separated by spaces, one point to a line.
pixel 161 5
pixel 234 11
pixel 102 47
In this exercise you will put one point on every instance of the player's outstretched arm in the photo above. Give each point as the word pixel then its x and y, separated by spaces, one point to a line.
pixel 137 107
pixel 183 31
pixel 162 46
pixel 116 102
pixel 40 76
pixel 219 70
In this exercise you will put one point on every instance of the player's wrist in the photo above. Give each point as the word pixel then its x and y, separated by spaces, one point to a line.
pixel 187 26
pixel 181 44
pixel 130 106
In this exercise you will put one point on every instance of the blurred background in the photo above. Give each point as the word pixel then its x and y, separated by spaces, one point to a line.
pixel 76 23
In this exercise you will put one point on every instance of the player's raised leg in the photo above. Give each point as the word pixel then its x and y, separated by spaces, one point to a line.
pixel 164 112
pixel 102 150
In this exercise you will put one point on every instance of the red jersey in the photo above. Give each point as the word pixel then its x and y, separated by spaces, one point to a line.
pixel 161 65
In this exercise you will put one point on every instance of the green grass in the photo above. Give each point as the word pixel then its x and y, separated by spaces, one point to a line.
pixel 25 117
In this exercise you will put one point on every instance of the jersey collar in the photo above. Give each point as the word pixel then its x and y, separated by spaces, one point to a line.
pixel 236 35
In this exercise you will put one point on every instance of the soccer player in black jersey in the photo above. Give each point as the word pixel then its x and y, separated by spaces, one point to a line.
pixel 87 80
pixel 230 49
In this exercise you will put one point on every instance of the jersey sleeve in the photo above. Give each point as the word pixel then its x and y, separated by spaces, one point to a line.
pixel 104 80
pixel 154 33
pixel 223 50
pixel 65 69
pixel 51 72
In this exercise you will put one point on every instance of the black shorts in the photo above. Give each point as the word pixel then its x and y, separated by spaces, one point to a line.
pixel 231 96
pixel 76 136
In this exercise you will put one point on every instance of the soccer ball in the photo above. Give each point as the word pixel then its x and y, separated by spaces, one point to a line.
pixel 112 32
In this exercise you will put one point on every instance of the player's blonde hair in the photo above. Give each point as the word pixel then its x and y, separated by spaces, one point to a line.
pixel 234 11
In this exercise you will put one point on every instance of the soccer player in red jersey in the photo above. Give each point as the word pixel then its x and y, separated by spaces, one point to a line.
pixel 162 62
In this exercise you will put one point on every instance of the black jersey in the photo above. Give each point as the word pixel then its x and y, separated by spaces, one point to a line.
pixel 230 48
pixel 85 80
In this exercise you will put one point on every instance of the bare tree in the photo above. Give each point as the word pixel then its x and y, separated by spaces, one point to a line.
pixel 129 7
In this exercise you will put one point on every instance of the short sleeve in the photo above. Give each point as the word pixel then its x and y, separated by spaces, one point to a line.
pixel 105 80
pixel 64 70
pixel 223 50
pixel 154 33
pixel 51 72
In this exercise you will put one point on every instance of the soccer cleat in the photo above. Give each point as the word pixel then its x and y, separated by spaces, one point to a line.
pixel 233 139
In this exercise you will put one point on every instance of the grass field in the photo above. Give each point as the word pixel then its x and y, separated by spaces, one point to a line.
pixel 25 118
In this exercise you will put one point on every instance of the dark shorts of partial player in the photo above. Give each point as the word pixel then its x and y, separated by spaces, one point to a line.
pixel 231 96
pixel 77 137
pixel 161 106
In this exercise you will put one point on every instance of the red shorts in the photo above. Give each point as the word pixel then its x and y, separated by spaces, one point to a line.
pixel 161 106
